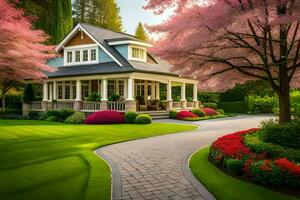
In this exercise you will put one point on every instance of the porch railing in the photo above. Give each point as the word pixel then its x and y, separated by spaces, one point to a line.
pixel 91 105
pixel 35 105
pixel 190 104
pixel 176 105
pixel 116 105
pixel 61 105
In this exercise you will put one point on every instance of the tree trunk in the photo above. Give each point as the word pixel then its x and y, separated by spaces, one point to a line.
pixel 284 106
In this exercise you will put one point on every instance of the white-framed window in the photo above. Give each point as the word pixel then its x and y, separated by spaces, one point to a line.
pixel 121 88
pixel 93 54
pixel 81 54
pixel 85 55
pixel 137 53
pixel 66 90
pixel 69 56
pixel 77 56
pixel 85 89
pixel 110 87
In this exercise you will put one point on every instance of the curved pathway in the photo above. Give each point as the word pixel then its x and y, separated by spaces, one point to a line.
pixel 156 168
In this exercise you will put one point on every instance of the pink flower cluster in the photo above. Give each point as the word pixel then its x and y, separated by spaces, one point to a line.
pixel 105 117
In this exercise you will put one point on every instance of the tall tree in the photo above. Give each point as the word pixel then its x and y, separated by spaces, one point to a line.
pixel 23 53
pixel 102 13
pixel 223 42
pixel 52 16
pixel 140 32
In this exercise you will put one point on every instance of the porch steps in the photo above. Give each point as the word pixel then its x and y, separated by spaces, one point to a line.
pixel 156 114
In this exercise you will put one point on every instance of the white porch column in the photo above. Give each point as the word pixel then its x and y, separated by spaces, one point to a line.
pixel 54 90
pixel 157 90
pixel 152 90
pixel 50 92
pixel 195 95
pixel 125 89
pixel 104 90
pixel 130 89
pixel 45 91
pixel 169 96
pixel 169 91
pixel 183 98
pixel 78 90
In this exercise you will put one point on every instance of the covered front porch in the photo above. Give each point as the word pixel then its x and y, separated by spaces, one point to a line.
pixel 121 92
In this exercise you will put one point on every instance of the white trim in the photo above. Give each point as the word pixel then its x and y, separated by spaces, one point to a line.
pixel 130 42
pixel 81 46
pixel 79 27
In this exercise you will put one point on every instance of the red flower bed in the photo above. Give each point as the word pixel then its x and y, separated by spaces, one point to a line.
pixel 210 111
pixel 105 117
pixel 232 145
pixel 257 167
pixel 185 114
pixel 288 166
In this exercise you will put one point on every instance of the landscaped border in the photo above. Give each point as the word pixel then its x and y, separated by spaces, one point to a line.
pixel 225 187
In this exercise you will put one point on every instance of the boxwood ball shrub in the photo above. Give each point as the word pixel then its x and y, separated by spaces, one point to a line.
pixel 143 119
pixel 210 111
pixel 198 112
pixel 173 114
pixel 105 117
pixel 221 111
pixel 59 115
pixel 130 117
pixel 76 118
pixel 210 105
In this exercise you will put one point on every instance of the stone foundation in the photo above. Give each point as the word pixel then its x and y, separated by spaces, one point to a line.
pixel 78 105
pixel 183 104
pixel 130 105
pixel 169 105
pixel 103 105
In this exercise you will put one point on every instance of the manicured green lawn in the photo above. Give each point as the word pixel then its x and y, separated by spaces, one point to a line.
pixel 225 187
pixel 43 160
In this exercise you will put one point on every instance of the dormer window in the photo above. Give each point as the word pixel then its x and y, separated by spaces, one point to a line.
pixel 69 57
pixel 81 55
pixel 137 53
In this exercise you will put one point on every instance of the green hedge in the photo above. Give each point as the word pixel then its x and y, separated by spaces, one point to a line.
pixel 233 107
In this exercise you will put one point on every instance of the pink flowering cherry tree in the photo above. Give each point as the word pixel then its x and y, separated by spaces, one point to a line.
pixel 224 42
pixel 23 53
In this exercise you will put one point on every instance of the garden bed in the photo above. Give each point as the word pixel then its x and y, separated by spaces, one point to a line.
pixel 247 155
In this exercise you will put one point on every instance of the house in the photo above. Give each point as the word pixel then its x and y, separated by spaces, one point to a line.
pixel 96 60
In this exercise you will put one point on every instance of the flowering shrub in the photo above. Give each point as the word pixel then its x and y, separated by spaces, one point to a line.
pixel 105 117
pixel 185 114
pixel 258 167
pixel 210 111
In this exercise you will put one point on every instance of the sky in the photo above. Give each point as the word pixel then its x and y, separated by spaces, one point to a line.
pixel 132 13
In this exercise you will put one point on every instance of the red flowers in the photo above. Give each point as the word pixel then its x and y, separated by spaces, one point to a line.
pixel 288 166
pixel 210 111
pixel 232 145
pixel 185 114
pixel 105 117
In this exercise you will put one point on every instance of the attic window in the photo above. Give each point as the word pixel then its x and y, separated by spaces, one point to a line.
pixel 138 53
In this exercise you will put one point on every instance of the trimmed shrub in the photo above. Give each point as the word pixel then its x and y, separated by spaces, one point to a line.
pixel 173 114
pixel 75 118
pixel 235 166
pixel 208 97
pixel 210 112
pixel 286 135
pixel 52 119
pixel 210 105
pixel 60 115
pixel 36 115
pixel 233 107
pixel 143 119
pixel 28 94
pixel 130 117
pixel 185 114
pixel 221 111
pixel 13 101
pixel 198 112
pixel 257 145
pixel 105 117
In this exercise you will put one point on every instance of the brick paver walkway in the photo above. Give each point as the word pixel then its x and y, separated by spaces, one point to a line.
pixel 155 168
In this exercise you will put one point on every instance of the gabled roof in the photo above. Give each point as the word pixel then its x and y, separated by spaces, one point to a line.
pixel 121 65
